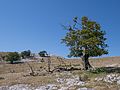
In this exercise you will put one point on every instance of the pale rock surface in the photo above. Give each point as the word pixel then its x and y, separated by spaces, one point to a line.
pixel 111 78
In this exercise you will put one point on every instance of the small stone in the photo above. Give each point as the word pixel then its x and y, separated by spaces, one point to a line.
pixel 60 80
pixel 84 88
pixel 20 87
pixel 70 82
pixel 50 86
pixel 63 88
pixel 4 88
pixel 41 88
pixel 99 79
pixel 72 88
pixel 54 87
pixel 118 78
pixel 80 83
pixel 118 82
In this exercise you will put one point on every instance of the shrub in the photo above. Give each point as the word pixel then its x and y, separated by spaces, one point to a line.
pixel 43 54
pixel 13 56
pixel 25 54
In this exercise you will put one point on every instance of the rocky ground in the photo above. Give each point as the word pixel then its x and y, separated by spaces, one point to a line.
pixel 68 81
pixel 17 76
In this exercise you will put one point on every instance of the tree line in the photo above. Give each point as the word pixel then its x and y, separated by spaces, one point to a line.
pixel 16 56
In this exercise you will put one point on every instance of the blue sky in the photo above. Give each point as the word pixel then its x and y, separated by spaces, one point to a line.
pixel 36 24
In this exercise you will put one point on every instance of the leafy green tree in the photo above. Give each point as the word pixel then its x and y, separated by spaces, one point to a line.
pixel 13 56
pixel 43 54
pixel 25 54
pixel 85 39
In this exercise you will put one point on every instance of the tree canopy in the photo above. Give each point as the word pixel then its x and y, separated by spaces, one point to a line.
pixel 13 56
pixel 85 38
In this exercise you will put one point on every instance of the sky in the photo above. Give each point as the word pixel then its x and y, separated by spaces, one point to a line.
pixel 36 24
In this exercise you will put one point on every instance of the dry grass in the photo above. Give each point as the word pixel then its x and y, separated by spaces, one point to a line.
pixel 19 73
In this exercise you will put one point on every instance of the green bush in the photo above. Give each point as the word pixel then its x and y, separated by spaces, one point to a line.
pixel 25 54
pixel 13 56
pixel 43 54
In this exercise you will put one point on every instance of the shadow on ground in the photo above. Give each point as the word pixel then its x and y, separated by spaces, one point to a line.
pixel 112 69
pixel 106 70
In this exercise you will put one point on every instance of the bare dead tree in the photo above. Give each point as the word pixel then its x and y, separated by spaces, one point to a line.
pixel 49 63
pixel 61 61
pixel 32 73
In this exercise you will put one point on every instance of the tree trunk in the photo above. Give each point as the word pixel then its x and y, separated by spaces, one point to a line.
pixel 11 62
pixel 32 71
pixel 86 63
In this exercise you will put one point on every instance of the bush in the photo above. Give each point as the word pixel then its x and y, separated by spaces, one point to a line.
pixel 43 54
pixel 13 56
pixel 25 54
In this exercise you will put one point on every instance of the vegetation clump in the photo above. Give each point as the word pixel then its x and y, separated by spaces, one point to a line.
pixel 25 54
pixel 98 70
pixel 43 53
pixel 12 57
